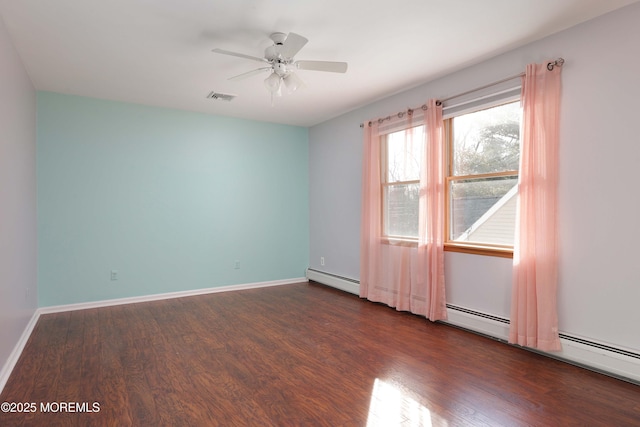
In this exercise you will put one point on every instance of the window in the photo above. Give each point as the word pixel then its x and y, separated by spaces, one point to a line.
pixel 401 161
pixel 484 155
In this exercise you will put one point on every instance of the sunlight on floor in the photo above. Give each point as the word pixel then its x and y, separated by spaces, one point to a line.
pixel 390 407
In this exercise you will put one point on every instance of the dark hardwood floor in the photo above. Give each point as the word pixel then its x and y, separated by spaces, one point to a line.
pixel 293 355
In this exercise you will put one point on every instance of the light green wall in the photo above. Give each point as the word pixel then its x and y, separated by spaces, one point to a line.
pixel 170 199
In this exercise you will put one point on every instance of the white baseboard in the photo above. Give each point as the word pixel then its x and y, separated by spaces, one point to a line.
pixel 17 350
pixel 338 282
pixel 168 295
pixel 19 347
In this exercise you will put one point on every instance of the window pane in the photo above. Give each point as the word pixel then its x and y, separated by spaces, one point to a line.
pixel 401 210
pixel 487 141
pixel 404 154
pixel 484 210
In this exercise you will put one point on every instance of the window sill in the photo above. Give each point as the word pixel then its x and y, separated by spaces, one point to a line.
pixel 479 250
pixel 502 252
pixel 399 242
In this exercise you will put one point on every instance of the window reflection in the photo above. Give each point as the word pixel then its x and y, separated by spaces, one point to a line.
pixel 391 407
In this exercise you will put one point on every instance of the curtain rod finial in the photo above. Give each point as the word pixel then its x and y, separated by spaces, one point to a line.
pixel 558 62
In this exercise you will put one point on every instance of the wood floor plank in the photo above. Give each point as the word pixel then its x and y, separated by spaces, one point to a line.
pixel 90 386
pixel 70 378
pixel 296 355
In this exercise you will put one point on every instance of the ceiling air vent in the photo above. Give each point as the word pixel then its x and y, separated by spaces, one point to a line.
pixel 221 96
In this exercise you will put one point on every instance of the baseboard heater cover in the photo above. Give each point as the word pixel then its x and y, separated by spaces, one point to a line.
pixel 339 282
pixel 606 359
pixel 620 363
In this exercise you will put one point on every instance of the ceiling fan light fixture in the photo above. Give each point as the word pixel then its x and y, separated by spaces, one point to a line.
pixel 292 82
pixel 273 83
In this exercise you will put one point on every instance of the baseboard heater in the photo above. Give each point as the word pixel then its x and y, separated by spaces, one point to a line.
pixel 339 282
pixel 620 363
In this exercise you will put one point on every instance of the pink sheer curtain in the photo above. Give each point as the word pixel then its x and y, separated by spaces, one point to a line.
pixel 432 211
pixel 534 318
pixel 399 274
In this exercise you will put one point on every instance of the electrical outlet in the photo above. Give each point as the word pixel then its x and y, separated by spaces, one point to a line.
pixel 236 264
pixel 321 260
pixel 114 274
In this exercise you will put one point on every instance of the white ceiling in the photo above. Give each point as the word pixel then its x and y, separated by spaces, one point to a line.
pixel 158 52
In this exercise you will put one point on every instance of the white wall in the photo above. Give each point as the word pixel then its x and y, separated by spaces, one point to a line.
pixel 17 198
pixel 599 286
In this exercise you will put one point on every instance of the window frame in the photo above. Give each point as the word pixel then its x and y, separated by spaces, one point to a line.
pixel 384 184
pixel 488 249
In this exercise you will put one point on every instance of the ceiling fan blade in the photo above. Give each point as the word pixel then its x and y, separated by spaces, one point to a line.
pixel 249 73
pixel 240 55
pixel 334 67
pixel 292 45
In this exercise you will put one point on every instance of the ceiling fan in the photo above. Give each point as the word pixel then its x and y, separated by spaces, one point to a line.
pixel 280 63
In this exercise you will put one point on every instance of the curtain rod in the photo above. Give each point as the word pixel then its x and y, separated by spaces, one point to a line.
pixel 400 114
pixel 550 66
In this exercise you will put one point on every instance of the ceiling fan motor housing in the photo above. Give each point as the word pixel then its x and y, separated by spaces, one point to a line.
pixel 280 68
pixel 273 52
